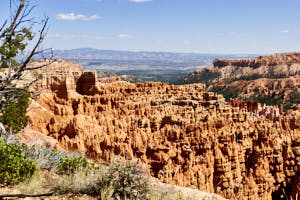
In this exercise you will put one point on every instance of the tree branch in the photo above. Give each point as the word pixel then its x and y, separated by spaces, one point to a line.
pixel 25 195
pixel 2 27
pixel 23 66
pixel 14 24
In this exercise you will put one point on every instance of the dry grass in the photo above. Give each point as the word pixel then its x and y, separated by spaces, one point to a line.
pixel 33 185
pixel 104 183
pixel 79 182
pixel 82 185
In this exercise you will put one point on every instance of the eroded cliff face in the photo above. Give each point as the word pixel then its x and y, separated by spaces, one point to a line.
pixel 272 79
pixel 285 64
pixel 182 134
pixel 283 91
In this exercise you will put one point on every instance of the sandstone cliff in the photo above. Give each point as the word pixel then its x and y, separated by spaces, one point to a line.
pixel 273 80
pixel 285 64
pixel 183 134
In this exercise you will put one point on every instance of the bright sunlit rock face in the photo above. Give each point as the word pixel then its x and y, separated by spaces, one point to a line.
pixel 182 134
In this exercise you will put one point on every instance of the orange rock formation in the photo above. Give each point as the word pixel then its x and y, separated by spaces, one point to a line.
pixel 183 134
pixel 272 79
pixel 287 64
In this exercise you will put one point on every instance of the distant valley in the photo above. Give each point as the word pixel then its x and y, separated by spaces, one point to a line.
pixel 144 66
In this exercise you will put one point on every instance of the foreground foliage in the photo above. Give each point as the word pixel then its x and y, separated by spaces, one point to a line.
pixel 129 181
pixel 15 167
pixel 14 114
pixel 120 180
pixel 70 165
pixel 73 174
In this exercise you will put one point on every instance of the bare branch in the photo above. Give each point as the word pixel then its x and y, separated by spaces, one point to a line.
pixel 2 27
pixel 24 65
pixel 13 25
pixel 25 195
pixel 41 66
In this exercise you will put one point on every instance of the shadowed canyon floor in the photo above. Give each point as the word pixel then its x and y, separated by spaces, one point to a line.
pixel 183 134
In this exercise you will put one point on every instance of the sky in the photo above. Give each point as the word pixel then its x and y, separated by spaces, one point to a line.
pixel 200 26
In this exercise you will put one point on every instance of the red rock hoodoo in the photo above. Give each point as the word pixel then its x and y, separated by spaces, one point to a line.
pixel 183 134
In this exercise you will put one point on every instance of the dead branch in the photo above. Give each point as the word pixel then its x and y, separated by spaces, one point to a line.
pixel 25 195
pixel 14 23
pixel 3 25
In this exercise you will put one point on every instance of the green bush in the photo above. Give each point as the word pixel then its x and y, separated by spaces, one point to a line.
pixel 129 181
pixel 71 165
pixel 14 113
pixel 15 167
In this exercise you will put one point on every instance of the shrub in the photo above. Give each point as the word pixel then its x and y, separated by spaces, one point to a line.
pixel 70 165
pixel 128 180
pixel 14 166
pixel 46 158
pixel 120 180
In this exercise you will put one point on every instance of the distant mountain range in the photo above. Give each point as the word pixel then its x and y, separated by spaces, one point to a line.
pixel 146 66
pixel 193 59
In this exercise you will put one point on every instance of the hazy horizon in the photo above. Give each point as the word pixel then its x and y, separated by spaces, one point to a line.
pixel 193 26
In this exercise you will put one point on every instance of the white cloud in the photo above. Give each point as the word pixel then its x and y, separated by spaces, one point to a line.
pixel 284 31
pixel 124 36
pixel 140 1
pixel 72 17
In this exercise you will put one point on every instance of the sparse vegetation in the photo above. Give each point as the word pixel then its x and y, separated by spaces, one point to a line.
pixel 293 98
pixel 205 76
pixel 46 158
pixel 128 180
pixel 120 180
pixel 70 165
pixel 226 92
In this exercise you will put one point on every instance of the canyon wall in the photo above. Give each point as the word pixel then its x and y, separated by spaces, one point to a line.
pixel 271 80
pixel 284 64
pixel 183 134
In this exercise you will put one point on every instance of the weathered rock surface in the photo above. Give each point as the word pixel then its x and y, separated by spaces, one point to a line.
pixel 283 91
pixel 273 79
pixel 284 64
pixel 183 134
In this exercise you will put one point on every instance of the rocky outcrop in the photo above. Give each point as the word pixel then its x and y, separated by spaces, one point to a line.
pixel 285 64
pixel 183 134
pixel 271 80
pixel 283 92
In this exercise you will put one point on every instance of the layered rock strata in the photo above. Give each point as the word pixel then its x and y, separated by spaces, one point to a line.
pixel 183 134
pixel 284 64
pixel 271 80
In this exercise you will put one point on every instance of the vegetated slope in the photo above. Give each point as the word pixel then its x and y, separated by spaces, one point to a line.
pixel 183 134
pixel 274 79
